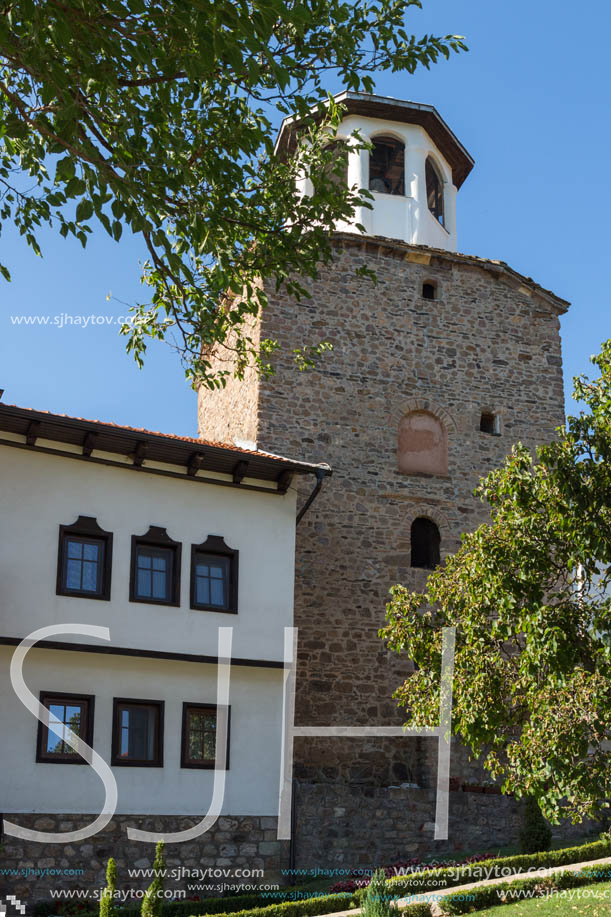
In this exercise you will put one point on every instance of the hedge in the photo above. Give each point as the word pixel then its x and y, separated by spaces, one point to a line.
pixel 186 908
pixel 477 899
pixel 399 887
pixel 428 881
pixel 325 904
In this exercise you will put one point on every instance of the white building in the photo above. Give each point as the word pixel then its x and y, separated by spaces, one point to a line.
pixel 163 540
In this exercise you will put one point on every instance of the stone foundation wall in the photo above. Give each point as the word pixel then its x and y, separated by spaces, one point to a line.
pixel 346 827
pixel 338 826
pixel 234 843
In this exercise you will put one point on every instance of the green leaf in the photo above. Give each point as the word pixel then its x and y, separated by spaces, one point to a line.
pixel 84 210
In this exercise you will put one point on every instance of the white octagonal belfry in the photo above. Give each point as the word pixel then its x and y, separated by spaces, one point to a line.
pixel 414 168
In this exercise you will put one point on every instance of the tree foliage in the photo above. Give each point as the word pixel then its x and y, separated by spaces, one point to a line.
pixel 377 899
pixel 152 902
pixel 107 901
pixel 529 594
pixel 158 117
pixel 535 833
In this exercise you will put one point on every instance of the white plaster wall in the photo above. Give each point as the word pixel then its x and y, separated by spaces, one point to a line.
pixel 255 735
pixel 39 492
pixel 406 218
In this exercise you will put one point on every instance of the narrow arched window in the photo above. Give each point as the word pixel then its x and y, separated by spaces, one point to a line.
pixel 387 166
pixel 434 191
pixel 423 444
pixel 426 541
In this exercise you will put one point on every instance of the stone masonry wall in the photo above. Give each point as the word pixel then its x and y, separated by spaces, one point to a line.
pixel 346 827
pixel 233 843
pixel 487 342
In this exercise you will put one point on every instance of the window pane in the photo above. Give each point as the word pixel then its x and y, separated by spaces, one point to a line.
pixel 159 584
pixel 90 551
pixel 154 569
pixel 61 718
pixel 212 581
pixel 217 592
pixel 138 728
pixel 201 739
pixel 124 721
pixel 82 570
pixel 73 574
pixel 203 591
pixel 75 548
pixel 90 577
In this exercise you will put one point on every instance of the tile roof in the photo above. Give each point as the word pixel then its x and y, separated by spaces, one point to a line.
pixel 145 446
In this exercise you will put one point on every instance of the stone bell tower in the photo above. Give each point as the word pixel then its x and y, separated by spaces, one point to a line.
pixel 435 372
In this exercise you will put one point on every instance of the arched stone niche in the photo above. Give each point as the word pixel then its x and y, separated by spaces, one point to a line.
pixel 422 444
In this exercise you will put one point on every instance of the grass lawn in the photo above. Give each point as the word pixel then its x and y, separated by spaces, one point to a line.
pixel 561 905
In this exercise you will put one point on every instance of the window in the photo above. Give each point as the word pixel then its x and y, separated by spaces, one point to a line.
pixel 214 576
pixel 489 423
pixel 137 739
pixel 72 712
pixel 84 560
pixel 425 544
pixel 387 166
pixel 155 569
pixel 429 290
pixel 434 191
pixel 199 725
pixel 422 444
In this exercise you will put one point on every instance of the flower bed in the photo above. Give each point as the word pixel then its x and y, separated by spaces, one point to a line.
pixel 401 868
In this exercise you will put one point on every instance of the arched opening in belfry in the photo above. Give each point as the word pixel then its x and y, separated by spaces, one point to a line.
pixel 422 445
pixel 434 190
pixel 387 166
pixel 426 542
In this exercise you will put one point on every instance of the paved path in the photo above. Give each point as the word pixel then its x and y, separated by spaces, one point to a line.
pixel 436 909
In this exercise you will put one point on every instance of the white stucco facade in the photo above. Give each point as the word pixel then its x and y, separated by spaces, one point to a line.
pixel 40 492
pixel 404 217
pixel 254 741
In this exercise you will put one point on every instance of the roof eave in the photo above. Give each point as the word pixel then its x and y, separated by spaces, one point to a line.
pixel 368 105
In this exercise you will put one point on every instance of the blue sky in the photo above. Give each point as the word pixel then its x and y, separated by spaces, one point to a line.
pixel 530 103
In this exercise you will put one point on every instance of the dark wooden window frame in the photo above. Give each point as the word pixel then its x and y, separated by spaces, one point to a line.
pixel 156 537
pixel 184 758
pixel 116 760
pixel 85 527
pixel 215 545
pixel 46 698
